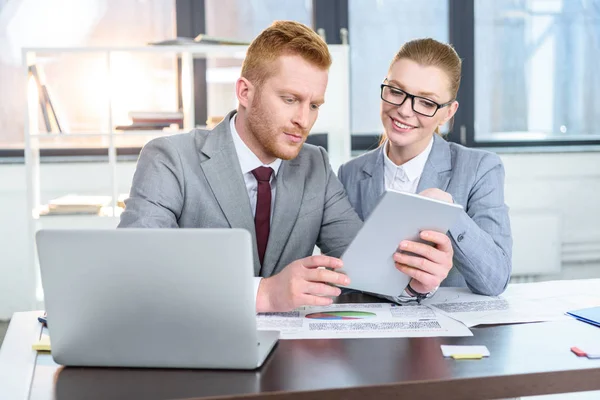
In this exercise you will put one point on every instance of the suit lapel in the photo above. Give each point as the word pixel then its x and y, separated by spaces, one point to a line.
pixel 373 185
pixel 438 167
pixel 224 175
pixel 288 199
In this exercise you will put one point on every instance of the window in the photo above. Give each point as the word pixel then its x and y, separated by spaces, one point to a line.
pixel 377 29
pixel 536 75
pixel 241 20
pixel 69 23
pixel 529 76
pixel 245 19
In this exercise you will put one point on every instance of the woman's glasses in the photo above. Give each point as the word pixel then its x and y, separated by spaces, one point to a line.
pixel 420 105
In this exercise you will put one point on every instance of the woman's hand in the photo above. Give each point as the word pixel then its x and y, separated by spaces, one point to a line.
pixel 437 194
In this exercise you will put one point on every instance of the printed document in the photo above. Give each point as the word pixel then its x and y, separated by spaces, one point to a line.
pixel 369 320
pixel 526 302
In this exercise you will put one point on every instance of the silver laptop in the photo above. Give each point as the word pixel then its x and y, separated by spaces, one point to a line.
pixel 165 298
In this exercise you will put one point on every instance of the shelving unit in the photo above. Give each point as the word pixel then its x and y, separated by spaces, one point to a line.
pixel 333 119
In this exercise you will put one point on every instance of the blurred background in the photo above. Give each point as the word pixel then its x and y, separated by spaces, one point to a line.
pixel 81 91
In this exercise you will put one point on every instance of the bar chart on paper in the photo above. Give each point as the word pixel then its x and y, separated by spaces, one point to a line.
pixel 341 315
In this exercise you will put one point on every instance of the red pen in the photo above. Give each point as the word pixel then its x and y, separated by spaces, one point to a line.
pixel 578 351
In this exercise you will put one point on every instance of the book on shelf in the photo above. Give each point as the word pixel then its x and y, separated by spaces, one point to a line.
pixel 153 126
pixel 121 200
pixel 46 106
pixel 200 39
pixel 213 121
pixel 73 204
pixel 155 115
pixel 152 120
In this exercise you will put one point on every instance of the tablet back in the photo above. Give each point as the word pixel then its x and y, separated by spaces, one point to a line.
pixel 368 261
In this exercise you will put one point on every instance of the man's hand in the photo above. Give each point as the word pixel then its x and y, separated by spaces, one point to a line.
pixel 437 194
pixel 301 283
pixel 430 264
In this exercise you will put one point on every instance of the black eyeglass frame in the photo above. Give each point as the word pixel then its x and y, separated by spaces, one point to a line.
pixel 412 99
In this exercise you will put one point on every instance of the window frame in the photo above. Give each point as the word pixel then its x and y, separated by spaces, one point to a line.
pixel 190 22
pixel 330 17
pixel 461 17
pixel 461 26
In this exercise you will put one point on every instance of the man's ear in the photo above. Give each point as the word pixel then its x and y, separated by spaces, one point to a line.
pixel 244 90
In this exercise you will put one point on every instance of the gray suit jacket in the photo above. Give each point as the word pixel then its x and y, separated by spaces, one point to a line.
pixel 481 238
pixel 194 180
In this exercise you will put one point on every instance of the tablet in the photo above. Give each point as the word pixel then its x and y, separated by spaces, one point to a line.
pixel 368 261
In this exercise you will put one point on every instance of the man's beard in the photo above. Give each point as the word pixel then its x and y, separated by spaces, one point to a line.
pixel 261 126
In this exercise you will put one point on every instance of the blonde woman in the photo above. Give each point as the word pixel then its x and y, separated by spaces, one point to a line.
pixel 418 96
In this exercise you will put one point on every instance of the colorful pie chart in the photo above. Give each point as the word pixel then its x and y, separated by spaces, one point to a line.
pixel 337 315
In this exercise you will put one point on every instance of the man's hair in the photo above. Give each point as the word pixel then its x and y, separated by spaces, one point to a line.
pixel 279 39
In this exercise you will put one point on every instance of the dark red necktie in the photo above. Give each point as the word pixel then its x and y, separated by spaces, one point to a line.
pixel 262 217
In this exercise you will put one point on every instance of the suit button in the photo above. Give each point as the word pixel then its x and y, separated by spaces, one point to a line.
pixel 460 237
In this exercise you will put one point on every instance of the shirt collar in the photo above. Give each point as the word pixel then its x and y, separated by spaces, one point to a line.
pixel 248 160
pixel 412 168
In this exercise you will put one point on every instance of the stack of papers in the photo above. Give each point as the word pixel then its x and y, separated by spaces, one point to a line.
pixel 75 204
pixel 371 320
pixel 527 302
pixel 121 200
pixel 449 313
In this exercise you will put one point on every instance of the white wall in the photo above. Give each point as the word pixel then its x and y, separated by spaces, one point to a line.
pixel 13 244
pixel 555 196
pixel 56 179
pixel 554 201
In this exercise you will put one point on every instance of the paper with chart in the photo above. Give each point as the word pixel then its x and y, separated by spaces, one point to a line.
pixel 526 302
pixel 371 320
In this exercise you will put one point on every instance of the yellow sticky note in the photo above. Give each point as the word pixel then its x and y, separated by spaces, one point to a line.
pixel 467 356
pixel 43 344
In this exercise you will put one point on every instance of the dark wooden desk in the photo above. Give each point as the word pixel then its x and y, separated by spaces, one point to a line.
pixel 526 359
